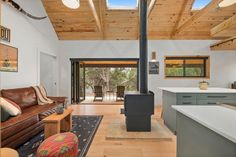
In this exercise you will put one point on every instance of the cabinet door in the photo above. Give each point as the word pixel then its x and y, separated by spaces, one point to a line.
pixel 169 114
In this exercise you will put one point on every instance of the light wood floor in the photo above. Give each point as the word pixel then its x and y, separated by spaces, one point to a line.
pixel 101 147
pixel 106 101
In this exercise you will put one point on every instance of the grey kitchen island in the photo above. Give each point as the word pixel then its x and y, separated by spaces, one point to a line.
pixel 192 96
pixel 206 131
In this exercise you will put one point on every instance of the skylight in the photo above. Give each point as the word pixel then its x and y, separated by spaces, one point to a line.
pixel 199 4
pixel 122 4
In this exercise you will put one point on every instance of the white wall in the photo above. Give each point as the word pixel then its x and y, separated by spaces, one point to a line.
pixel 223 64
pixel 30 37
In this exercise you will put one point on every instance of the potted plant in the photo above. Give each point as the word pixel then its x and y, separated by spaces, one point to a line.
pixel 203 85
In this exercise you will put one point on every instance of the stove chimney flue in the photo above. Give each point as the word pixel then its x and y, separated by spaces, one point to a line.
pixel 143 54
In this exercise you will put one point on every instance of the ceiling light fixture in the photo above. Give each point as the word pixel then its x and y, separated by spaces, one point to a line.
pixel 73 4
pixel 226 3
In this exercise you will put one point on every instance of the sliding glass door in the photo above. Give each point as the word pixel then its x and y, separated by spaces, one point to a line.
pixel 108 73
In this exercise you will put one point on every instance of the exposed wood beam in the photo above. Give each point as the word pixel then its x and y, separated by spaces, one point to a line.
pixel 101 11
pixel 212 5
pixel 138 21
pixel 185 2
pixel 79 36
pixel 218 31
pixel 150 7
pixel 98 22
pixel 0 12
pixel 228 44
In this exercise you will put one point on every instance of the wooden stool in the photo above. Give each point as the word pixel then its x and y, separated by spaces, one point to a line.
pixel 8 152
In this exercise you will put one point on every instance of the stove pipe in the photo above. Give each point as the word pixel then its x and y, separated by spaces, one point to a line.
pixel 143 57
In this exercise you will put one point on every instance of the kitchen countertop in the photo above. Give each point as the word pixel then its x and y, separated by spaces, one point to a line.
pixel 197 90
pixel 217 118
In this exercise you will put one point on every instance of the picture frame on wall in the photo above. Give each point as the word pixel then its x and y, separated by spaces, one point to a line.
pixel 5 34
pixel 154 68
pixel 8 58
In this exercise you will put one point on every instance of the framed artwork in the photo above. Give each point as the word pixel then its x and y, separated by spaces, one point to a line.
pixel 5 34
pixel 8 58
pixel 153 67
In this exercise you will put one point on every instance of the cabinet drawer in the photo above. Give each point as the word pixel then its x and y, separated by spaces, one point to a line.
pixel 216 96
pixel 186 96
pixel 215 101
pixel 186 101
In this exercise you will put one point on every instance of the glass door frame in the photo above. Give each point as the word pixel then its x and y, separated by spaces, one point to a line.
pixel 75 75
pixel 82 66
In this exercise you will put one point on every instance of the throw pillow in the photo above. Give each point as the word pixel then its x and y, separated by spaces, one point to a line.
pixel 4 114
pixel 12 108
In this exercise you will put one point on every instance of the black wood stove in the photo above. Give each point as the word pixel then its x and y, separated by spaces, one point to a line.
pixel 139 106
pixel 138 110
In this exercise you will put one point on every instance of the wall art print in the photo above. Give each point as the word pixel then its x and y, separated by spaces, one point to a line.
pixel 8 58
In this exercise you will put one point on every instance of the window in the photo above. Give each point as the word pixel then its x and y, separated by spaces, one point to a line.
pixel 122 4
pixel 199 4
pixel 187 67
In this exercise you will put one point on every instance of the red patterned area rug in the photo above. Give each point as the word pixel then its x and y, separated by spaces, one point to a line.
pixel 84 127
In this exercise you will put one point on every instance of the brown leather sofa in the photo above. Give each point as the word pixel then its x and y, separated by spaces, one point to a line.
pixel 17 130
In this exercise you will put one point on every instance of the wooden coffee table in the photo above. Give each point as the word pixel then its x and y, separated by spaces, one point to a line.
pixel 57 123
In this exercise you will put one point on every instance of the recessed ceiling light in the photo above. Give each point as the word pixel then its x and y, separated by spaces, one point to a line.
pixel 226 3
pixel 73 4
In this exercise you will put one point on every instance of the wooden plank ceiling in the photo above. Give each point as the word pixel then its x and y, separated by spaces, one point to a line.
pixel 168 19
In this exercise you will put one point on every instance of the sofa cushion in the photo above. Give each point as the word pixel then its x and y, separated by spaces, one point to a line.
pixel 14 136
pixel 17 127
pixel 24 97
pixel 12 108
pixel 4 114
